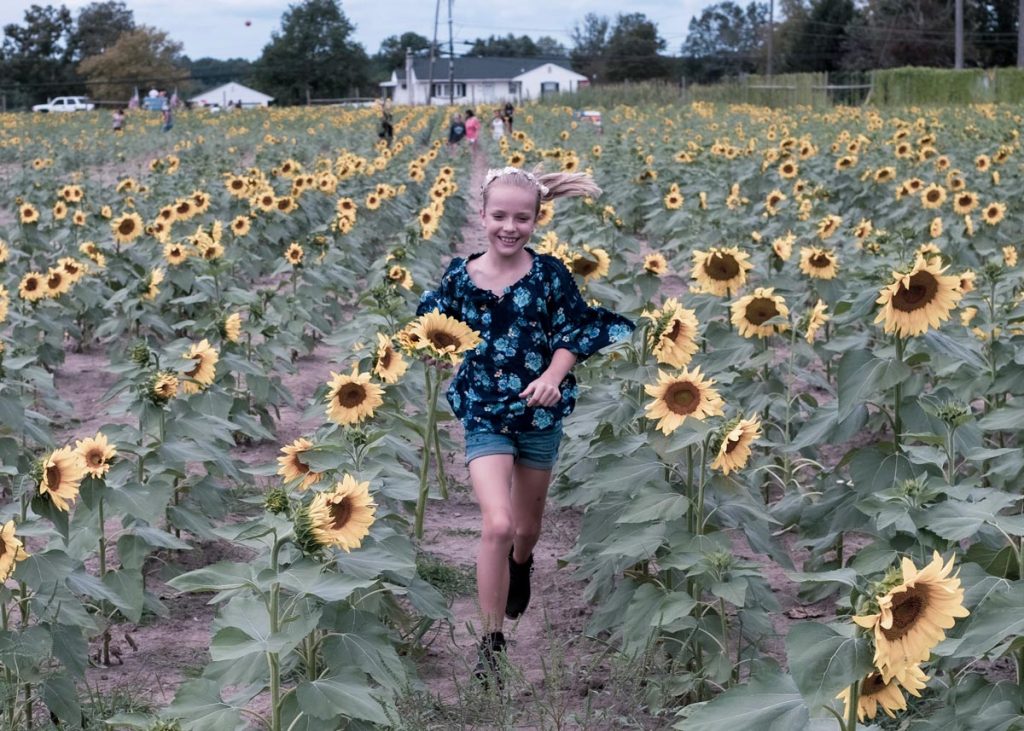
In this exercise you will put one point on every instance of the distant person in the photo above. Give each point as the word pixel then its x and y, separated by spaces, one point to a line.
pixel 509 111
pixel 472 128
pixel 168 113
pixel 387 128
pixel 117 120
pixel 497 126
pixel 456 131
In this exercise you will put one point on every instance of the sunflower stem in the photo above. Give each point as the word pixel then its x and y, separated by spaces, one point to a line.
pixel 273 660
pixel 421 503
pixel 691 518
pixel 703 483
pixel 897 421
pixel 851 709
pixel 11 698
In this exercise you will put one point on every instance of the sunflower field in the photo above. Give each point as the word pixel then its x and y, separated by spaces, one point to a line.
pixel 798 486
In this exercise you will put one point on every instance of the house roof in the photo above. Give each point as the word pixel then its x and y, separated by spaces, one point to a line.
pixel 234 90
pixel 484 67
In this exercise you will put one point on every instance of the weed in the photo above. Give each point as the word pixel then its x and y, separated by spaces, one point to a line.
pixel 451 581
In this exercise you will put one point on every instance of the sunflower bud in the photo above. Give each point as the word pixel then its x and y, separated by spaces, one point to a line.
pixel 305 539
pixel 277 501
pixel 954 413
pixel 139 354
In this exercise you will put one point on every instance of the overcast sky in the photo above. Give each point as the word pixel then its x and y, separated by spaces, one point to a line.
pixel 217 27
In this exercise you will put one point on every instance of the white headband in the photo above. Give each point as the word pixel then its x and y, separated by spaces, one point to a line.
pixel 494 173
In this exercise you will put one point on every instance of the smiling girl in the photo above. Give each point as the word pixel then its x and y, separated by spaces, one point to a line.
pixel 512 392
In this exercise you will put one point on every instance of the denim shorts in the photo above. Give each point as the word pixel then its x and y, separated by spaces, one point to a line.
pixel 534 449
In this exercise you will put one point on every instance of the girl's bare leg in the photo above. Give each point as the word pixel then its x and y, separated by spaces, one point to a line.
pixel 492 483
pixel 529 491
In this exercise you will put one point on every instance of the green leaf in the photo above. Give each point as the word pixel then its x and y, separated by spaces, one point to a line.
pixel 42 571
pixel 329 697
pixel 220 576
pixel 992 627
pixel 862 375
pixel 1008 418
pixel 61 698
pixel 199 703
pixel 23 650
pixel 767 703
pixel 126 587
pixel 823 662
pixel 245 629
pixel 841 576
pixel 660 506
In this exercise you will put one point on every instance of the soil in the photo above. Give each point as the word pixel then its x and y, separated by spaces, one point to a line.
pixel 560 675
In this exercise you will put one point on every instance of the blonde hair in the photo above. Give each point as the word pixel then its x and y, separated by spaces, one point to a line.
pixel 547 185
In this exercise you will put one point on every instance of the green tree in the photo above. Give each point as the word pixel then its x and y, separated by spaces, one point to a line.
pixel 37 56
pixel 889 33
pixel 818 38
pixel 726 38
pixel 142 57
pixel 98 26
pixel 509 45
pixel 590 46
pixel 209 72
pixel 634 49
pixel 549 47
pixel 312 56
pixel 391 55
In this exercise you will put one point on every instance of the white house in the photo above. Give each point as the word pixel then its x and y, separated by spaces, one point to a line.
pixel 231 93
pixel 484 80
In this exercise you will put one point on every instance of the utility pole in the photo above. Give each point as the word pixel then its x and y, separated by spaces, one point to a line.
pixel 433 49
pixel 451 59
pixel 771 34
pixel 958 60
pixel 1020 34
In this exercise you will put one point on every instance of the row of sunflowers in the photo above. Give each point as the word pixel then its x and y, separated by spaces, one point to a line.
pixel 819 410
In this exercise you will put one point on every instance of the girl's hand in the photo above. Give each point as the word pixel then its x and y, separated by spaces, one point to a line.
pixel 542 392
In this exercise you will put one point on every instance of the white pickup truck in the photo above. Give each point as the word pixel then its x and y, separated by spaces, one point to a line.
pixel 66 104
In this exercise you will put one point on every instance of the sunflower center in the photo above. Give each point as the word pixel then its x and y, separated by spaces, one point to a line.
pixel 351 395
pixel 682 398
pixel 300 466
pixel 195 369
pixel 583 266
pixel 872 685
pixel 820 261
pixel 442 340
pixel 126 227
pixel 933 196
pixel 341 513
pixel 760 310
pixel 386 358
pixel 94 458
pixel 906 608
pixel 184 208
pixel 920 292
pixel 52 476
pixel 722 267
pixel 54 280
pixel 675 331
pixel 31 285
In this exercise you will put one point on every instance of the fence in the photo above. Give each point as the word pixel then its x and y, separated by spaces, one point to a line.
pixel 786 90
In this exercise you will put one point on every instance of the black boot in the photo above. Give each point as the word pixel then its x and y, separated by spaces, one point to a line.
pixel 488 663
pixel 518 586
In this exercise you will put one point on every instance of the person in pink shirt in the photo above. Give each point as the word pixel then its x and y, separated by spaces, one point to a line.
pixel 472 127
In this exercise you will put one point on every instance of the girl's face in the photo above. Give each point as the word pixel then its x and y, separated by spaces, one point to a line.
pixel 509 217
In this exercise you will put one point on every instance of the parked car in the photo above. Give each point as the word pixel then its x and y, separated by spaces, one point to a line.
pixel 66 104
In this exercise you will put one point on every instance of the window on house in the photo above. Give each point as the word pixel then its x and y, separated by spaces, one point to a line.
pixel 513 87
pixel 442 90
pixel 548 87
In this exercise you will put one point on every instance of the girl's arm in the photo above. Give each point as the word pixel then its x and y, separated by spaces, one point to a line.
pixel 544 390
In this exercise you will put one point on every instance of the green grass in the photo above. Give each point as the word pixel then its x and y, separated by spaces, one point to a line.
pixel 451 581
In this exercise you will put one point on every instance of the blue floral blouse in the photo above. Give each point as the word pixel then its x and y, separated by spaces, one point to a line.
pixel 520 331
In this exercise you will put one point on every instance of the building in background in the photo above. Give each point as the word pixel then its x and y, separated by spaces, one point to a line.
pixel 482 80
pixel 231 93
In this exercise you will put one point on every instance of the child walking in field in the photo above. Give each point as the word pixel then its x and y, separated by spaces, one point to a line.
pixel 512 392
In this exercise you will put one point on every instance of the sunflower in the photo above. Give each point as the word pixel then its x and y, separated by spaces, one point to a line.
pixel 231 328
pixel 674 200
pixel 673 338
pixel 721 271
pixel 341 517
pixel 789 169
pixel 751 312
pixel 373 201
pixel 175 254
pixel 204 368
pixel 773 200
pixel 817 317
pixel 60 211
pixel 62 472
pixel 294 254
pixel 591 264
pixel 153 286
pixel 96 454
pixel 828 226
pixel 819 263
pixel 967 279
pixel 734 450
pixel 27 213
pixel 388 365
pixel 293 468
pixel 982 163
pixel 884 175
pixel 918 299
pixel 400 275
pixel 162 387
pixel 655 264
pixel 685 394
pixel 546 214
pixel 32 287
pixel 56 282
pixel 11 551
pixel 443 336
pixel 1010 255
pixel 5 303
pixel 933 196
pixel 912 617
pixel 935 228
pixel 127 227
pixel 876 692
pixel 994 213
pixel 352 398
pixel 782 246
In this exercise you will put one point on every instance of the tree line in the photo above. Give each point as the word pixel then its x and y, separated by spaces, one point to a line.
pixel 102 51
